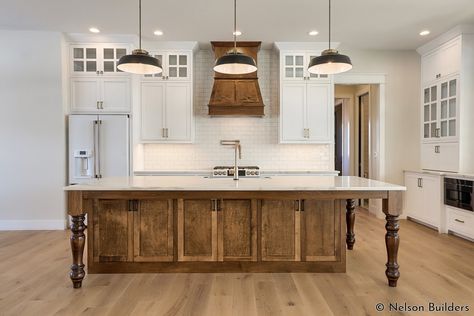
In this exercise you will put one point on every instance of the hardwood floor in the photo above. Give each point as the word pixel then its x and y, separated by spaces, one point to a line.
pixel 434 268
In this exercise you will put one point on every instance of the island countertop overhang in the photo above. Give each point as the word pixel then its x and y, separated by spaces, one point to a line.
pixel 198 183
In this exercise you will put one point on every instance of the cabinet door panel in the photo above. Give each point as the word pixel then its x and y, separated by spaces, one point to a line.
pixel 280 229
pixel 413 196
pixel 237 230
pixel 152 111
pixel 319 108
pixel 112 231
pixel 321 227
pixel 153 231
pixel 84 94
pixel 178 111
pixel 197 230
pixel 116 94
pixel 113 143
pixel 293 112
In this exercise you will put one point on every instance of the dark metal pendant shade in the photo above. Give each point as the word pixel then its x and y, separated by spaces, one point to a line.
pixel 330 62
pixel 139 62
pixel 235 63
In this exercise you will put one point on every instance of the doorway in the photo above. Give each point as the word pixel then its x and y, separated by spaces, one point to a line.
pixel 338 132
pixel 364 139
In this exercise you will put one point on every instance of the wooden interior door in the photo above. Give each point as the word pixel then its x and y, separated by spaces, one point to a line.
pixel 237 231
pixel 112 231
pixel 153 231
pixel 197 230
pixel 321 231
pixel 280 230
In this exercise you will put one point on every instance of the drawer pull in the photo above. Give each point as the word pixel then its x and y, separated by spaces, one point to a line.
pixel 459 221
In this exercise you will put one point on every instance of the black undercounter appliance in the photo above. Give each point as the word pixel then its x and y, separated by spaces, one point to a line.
pixel 459 193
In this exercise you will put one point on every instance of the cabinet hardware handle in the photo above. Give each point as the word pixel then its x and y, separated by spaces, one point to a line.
pixel 214 205
pixel 219 205
pixel 163 77
pixel 97 105
pixel 101 105
pixel 437 133
pixel 101 72
pixel 420 182
pixel 459 221
pixel 163 132
pixel 167 77
pixel 97 72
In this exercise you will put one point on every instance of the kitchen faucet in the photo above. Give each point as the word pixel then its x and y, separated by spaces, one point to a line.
pixel 237 148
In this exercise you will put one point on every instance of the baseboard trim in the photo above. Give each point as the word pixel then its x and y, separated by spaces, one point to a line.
pixel 32 225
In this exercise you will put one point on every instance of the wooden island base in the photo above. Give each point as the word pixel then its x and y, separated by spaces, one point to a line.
pixel 254 231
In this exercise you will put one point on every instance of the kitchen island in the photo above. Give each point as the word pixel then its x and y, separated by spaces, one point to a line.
pixel 201 224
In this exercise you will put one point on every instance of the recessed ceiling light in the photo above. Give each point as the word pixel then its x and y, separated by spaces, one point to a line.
pixel 313 33
pixel 94 30
pixel 237 33
pixel 158 33
pixel 424 32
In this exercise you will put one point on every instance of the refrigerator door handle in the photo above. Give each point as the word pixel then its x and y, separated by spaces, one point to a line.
pixel 94 126
pixel 99 123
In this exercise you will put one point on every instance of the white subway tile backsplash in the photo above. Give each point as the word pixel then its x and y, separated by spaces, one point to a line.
pixel 258 136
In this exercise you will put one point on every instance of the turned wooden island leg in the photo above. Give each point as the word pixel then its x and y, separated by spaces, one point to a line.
pixel 78 241
pixel 392 209
pixel 350 220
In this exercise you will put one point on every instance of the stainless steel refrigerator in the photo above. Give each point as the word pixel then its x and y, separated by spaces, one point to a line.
pixel 99 146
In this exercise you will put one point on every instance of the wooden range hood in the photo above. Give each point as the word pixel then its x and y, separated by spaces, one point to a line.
pixel 236 94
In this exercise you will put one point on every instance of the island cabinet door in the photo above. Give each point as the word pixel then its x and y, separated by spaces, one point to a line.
pixel 280 230
pixel 153 231
pixel 197 230
pixel 321 231
pixel 237 230
pixel 112 231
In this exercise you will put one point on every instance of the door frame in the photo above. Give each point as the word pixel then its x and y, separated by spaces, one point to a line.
pixel 379 79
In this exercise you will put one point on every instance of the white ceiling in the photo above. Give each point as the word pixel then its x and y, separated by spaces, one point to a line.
pixel 371 24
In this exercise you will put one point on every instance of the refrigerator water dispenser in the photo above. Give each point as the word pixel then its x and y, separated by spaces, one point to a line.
pixel 83 163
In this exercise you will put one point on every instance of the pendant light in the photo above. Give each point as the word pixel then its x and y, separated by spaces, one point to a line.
pixel 235 63
pixel 139 62
pixel 330 62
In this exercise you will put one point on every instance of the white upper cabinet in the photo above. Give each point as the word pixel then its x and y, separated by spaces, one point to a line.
pixel 177 66
pixel 447 131
pixel 442 62
pixel 306 101
pixel 96 59
pixel 166 112
pixel 96 85
pixel 294 66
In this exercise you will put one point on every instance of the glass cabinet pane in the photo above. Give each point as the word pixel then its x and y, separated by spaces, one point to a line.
pixel 108 53
pixel 78 53
pixel 433 129
pixel 452 88
pixel 433 111
pixel 299 72
pixel 444 109
pixel 78 65
pixel 289 72
pixel 183 72
pixel 427 95
pixel 444 128
pixel 299 60
pixel 120 53
pixel 426 130
pixel 452 108
pixel 172 60
pixel 444 90
pixel 452 128
pixel 288 60
pixel 91 66
pixel 426 117
pixel 173 71
pixel 91 53
pixel 183 60
pixel 434 92
pixel 109 66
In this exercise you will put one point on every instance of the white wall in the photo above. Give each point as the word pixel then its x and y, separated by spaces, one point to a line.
pixel 259 136
pixel 32 131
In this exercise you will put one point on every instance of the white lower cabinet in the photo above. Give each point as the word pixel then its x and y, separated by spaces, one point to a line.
pixel 306 113
pixel 100 95
pixel 460 222
pixel 423 199
pixel 166 112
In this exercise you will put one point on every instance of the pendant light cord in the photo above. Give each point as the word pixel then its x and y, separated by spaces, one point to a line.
pixel 235 26
pixel 140 24
pixel 329 24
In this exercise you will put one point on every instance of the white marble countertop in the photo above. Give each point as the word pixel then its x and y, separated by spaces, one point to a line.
pixel 196 183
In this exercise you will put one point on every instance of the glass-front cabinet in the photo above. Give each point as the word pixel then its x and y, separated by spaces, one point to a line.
pixel 440 110
pixel 176 66
pixel 295 66
pixel 96 59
